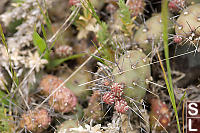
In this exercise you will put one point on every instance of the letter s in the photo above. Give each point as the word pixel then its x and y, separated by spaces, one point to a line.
pixel 194 110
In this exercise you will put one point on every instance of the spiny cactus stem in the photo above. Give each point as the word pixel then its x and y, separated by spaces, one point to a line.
pixel 119 73
pixel 77 70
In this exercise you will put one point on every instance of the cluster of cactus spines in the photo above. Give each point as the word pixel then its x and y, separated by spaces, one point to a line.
pixel 94 110
pixel 35 120
pixel 132 71
pixel 187 24
pixel 136 7
pixel 62 100
pixel 63 51
pixel 149 33
pixel 176 5
pixel 159 112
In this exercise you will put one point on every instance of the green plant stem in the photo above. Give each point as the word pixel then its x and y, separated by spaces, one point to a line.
pixel 164 14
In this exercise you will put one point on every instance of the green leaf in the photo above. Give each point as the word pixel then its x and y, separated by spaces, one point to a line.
pixel 41 44
pixel 57 62
pixel 44 32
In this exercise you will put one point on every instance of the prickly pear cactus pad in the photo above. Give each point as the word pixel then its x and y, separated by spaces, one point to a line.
pixel 132 71
pixel 187 24
pixel 149 35
pixel 63 100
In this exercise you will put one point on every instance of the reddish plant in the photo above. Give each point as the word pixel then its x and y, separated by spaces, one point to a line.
pixel 177 39
pixel 74 2
pixel 63 100
pixel 160 112
pixel 117 89
pixel 35 120
pixel 121 106
pixel 136 6
pixel 176 5
pixel 109 98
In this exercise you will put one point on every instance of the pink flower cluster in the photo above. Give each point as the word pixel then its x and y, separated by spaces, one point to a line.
pixel 176 5
pixel 114 96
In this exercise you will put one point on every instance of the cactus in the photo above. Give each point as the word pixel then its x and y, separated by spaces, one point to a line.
pixel 94 110
pixel 62 100
pixel 133 80
pixel 80 91
pixel 150 33
pixel 176 5
pixel 108 98
pixel 187 25
pixel 160 112
pixel 121 106
pixel 48 84
pixel 35 120
pixel 136 7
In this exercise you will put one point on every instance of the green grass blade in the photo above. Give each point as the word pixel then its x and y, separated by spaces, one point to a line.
pixel 164 15
pixel 46 17
pixel 57 62
pixel 14 77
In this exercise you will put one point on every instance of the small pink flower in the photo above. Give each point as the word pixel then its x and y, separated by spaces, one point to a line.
pixel 121 106
pixel 108 98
